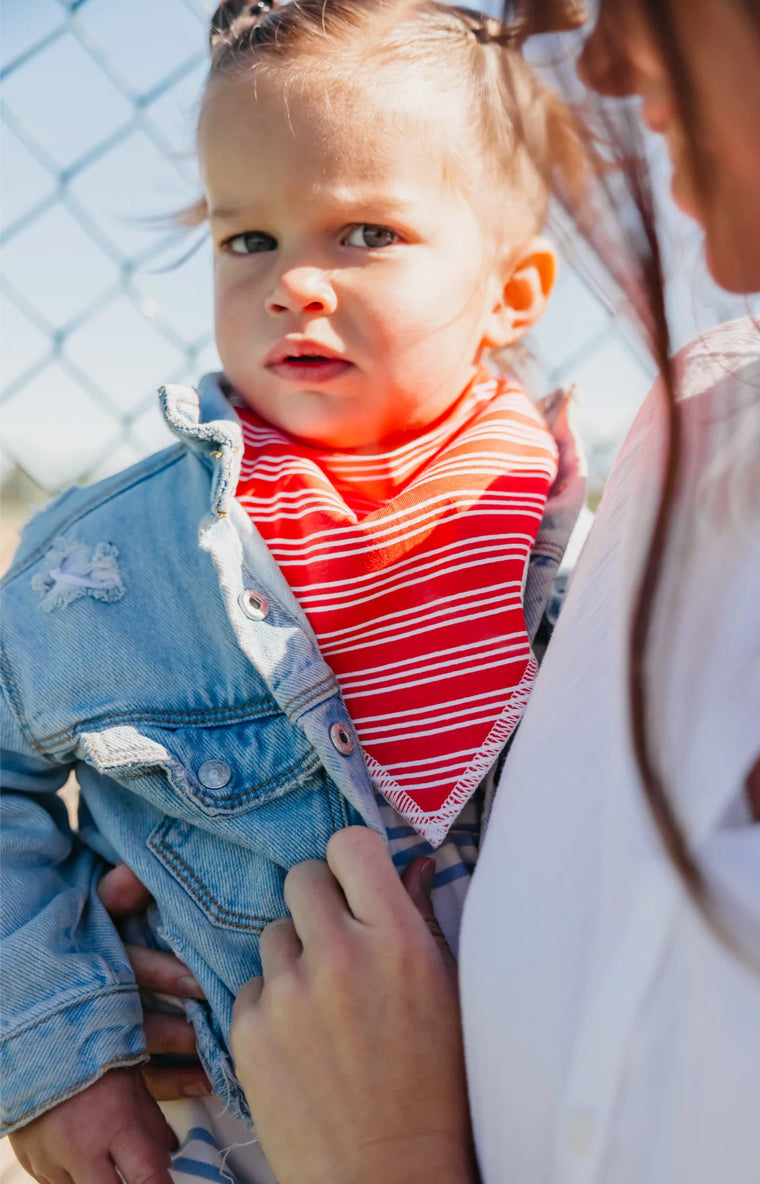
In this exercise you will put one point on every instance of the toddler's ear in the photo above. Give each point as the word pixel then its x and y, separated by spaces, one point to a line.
pixel 524 289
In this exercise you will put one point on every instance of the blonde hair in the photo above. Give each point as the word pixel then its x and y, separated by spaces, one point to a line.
pixel 520 131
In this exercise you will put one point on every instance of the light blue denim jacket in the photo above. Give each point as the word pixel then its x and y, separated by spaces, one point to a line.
pixel 208 736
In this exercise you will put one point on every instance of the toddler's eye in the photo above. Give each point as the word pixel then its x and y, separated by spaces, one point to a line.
pixel 367 235
pixel 250 243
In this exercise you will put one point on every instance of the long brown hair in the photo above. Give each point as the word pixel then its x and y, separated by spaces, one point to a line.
pixel 615 139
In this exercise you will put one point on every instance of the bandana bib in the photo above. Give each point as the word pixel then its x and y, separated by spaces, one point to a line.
pixel 410 565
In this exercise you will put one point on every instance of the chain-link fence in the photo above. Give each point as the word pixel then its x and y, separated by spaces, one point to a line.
pixel 98 113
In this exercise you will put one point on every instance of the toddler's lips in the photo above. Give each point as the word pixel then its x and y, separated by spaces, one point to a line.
pixel 311 368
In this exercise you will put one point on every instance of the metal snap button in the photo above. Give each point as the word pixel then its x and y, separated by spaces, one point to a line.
pixel 254 605
pixel 342 739
pixel 214 774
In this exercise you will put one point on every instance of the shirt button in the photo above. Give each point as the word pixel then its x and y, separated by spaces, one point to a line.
pixel 254 605
pixel 342 739
pixel 214 774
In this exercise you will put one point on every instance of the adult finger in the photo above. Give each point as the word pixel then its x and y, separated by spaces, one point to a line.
pixel 171 1083
pixel 360 861
pixel 135 1167
pixel 315 900
pixel 248 996
pixel 418 880
pixel 161 971
pixel 103 1171
pixel 97 1171
pixel 143 1156
pixel 280 946
pixel 168 1034
pixel 122 893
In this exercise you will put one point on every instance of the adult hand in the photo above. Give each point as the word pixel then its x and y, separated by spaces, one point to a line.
pixel 349 1047
pixel 159 972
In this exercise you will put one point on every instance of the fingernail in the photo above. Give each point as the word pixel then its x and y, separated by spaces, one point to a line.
pixel 190 986
pixel 196 1089
pixel 427 874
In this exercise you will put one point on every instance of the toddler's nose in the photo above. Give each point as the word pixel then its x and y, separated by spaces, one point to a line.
pixel 303 289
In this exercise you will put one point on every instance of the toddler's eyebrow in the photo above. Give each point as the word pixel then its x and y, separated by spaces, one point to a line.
pixel 225 213
pixel 383 205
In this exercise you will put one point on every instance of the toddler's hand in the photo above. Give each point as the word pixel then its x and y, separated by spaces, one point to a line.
pixel 114 1123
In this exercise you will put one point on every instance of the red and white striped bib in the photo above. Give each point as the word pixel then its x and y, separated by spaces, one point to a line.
pixel 410 567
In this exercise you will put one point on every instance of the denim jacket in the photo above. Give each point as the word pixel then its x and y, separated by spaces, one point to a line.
pixel 151 645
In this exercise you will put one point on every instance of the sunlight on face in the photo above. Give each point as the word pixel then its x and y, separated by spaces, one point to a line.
pixel 354 283
pixel 720 48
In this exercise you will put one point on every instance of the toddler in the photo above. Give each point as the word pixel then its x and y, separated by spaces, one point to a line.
pixel 317 608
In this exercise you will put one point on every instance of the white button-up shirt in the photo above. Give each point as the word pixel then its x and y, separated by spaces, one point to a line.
pixel 611 1037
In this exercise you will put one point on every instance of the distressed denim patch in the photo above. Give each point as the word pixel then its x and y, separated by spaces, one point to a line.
pixel 74 569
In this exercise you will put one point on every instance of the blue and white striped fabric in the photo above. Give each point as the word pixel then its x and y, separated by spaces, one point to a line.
pixel 199 1158
pixel 454 860
pixel 214 1146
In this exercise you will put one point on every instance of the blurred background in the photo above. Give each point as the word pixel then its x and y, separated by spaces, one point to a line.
pixel 102 301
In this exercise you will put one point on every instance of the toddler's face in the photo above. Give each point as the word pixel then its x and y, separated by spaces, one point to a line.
pixel 354 283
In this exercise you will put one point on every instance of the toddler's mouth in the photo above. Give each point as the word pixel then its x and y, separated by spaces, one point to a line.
pixel 297 361
pixel 316 368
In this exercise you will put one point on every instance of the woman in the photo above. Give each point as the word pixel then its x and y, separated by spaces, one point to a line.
pixel 610 957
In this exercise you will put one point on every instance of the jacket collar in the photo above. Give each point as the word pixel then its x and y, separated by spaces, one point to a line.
pixel 205 422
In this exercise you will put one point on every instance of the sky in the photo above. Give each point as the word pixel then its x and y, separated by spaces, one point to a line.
pixel 96 308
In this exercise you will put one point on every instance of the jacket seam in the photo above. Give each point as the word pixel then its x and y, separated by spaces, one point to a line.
pixel 74 1003
pixel 14 697
pixel 307 764
pixel 337 805
pixel 239 713
pixel 28 1116
pixel 307 698
pixel 196 888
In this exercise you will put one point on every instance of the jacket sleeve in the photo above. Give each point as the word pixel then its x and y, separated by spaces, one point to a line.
pixel 70 1006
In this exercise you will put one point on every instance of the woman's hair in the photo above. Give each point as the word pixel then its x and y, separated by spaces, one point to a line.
pixel 520 141
pixel 620 224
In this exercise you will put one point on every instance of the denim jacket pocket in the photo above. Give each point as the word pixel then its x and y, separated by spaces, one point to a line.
pixel 231 809
pixel 203 771
pixel 234 868
pixel 236 888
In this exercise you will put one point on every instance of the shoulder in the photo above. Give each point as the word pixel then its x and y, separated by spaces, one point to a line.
pixel 718 379
pixel 155 496
pixel 105 501
pixel 722 360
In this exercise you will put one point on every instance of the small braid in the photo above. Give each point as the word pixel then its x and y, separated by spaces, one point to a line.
pixel 231 15
pixel 486 29
pixel 530 17
pixel 523 19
